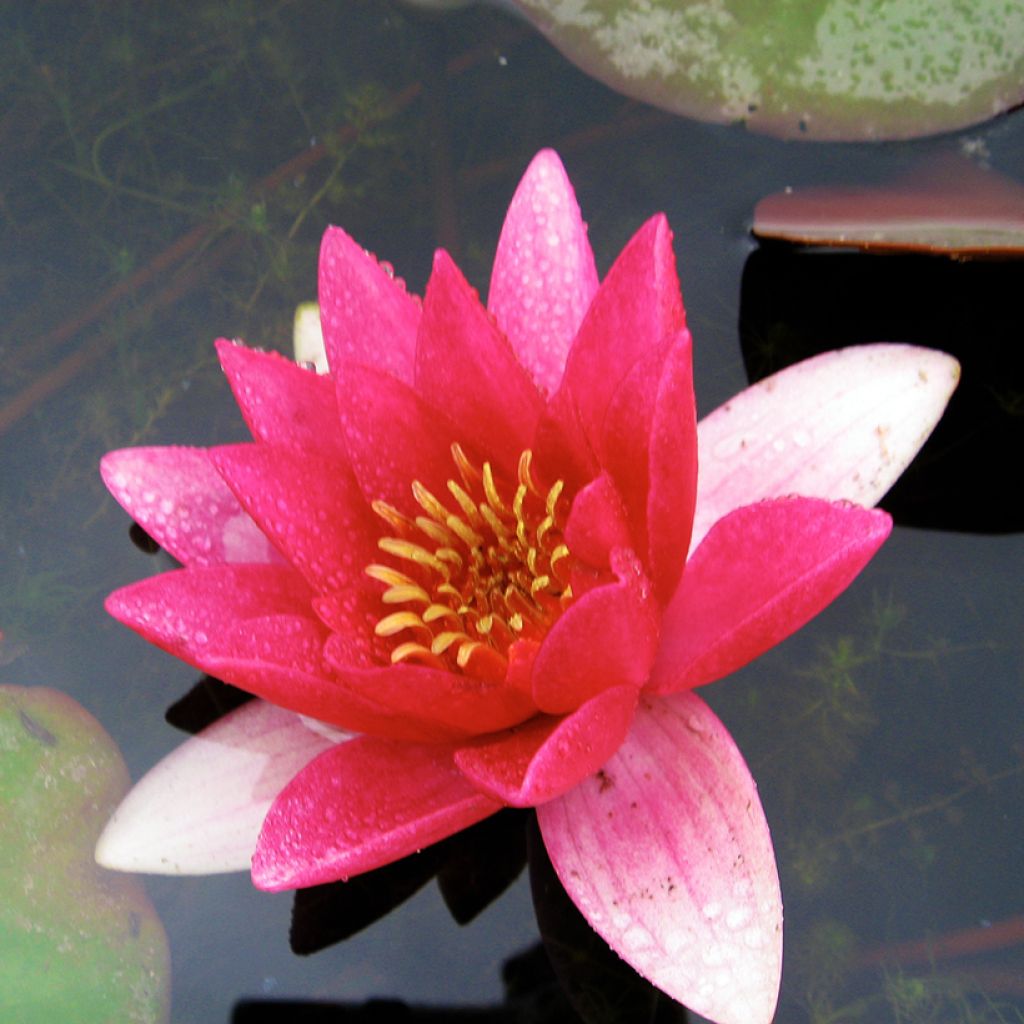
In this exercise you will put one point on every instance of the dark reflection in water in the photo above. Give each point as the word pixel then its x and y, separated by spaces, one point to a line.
pixel 166 179
pixel 795 304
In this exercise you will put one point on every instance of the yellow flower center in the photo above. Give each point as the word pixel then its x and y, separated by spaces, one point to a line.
pixel 467 583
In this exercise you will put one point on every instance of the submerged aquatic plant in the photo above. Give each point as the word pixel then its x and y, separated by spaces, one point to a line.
pixel 474 566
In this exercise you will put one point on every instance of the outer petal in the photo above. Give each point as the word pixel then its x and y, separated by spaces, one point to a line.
pixel 544 275
pixel 465 366
pixel 548 756
pixel 843 425
pixel 603 639
pixel 282 403
pixel 187 612
pixel 243 624
pixel 758 576
pixel 667 854
pixel 360 806
pixel 310 507
pixel 367 315
pixel 178 497
pixel 200 810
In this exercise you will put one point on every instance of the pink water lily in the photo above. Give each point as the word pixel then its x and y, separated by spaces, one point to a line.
pixel 475 566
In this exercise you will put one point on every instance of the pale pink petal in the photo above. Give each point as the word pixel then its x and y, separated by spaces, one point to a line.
pixel 310 507
pixel 283 403
pixel 758 576
pixel 465 366
pixel 544 275
pixel 360 806
pixel 200 809
pixel 547 756
pixel 366 313
pixel 605 638
pixel 843 425
pixel 666 852
pixel 178 497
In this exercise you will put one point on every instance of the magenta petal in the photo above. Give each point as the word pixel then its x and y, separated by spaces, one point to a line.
pixel 625 434
pixel 178 497
pixel 283 403
pixel 637 307
pixel 188 612
pixel 649 446
pixel 668 856
pixel 547 756
pixel 318 696
pixel 544 275
pixel 672 469
pixel 454 702
pixel 366 313
pixel 465 366
pixel 597 522
pixel 758 576
pixel 394 437
pixel 359 806
pixel 310 507
pixel 605 638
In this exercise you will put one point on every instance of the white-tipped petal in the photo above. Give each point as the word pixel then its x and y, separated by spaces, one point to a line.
pixel 666 852
pixel 308 337
pixel 199 811
pixel 841 426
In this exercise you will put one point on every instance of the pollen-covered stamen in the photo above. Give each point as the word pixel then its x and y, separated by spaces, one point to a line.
pixel 476 574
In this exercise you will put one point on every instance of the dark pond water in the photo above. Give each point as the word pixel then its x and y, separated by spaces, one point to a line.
pixel 886 737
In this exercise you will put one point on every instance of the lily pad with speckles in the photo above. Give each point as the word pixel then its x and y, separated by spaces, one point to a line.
pixel 817 69
pixel 80 944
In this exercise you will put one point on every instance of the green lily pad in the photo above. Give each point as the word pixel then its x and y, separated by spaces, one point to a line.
pixel 80 944
pixel 819 69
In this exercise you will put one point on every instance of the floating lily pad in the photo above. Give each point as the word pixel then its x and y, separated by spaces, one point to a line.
pixel 955 207
pixel 80 944
pixel 819 69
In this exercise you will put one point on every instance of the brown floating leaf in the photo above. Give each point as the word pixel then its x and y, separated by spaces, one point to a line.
pixel 952 207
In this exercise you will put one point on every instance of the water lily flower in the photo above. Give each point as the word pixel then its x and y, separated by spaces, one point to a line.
pixel 475 566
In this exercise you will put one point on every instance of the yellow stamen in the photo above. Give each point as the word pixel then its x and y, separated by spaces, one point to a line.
pixel 385 574
pixel 412 553
pixel 396 622
pixel 429 503
pixel 440 611
pixel 476 579
pixel 417 652
pixel 443 641
pixel 405 592
pixel 491 490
